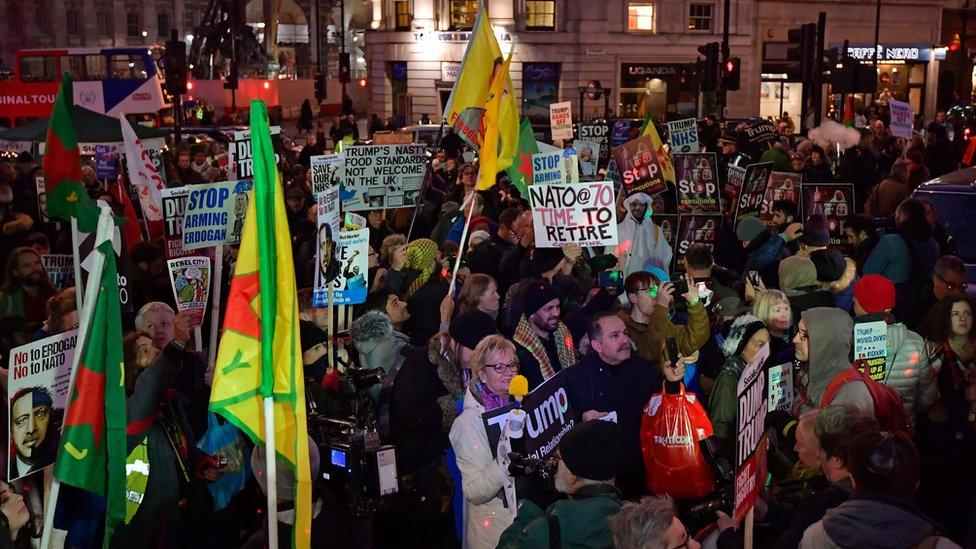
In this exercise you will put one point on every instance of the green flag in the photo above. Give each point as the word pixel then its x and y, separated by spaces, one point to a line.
pixel 66 195
pixel 93 444
pixel 520 171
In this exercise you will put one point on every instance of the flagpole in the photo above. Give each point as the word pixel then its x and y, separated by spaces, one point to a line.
pixel 462 246
pixel 271 472
pixel 425 184
pixel 76 260
pixel 215 285
pixel 87 310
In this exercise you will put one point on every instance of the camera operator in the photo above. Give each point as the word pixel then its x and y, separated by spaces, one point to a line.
pixel 587 456
pixel 489 490
pixel 833 429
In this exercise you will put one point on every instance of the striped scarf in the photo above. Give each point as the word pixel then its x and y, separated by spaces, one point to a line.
pixel 421 254
pixel 525 337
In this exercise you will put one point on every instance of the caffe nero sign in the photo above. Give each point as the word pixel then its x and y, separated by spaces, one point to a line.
pixel 887 52
pixel 636 75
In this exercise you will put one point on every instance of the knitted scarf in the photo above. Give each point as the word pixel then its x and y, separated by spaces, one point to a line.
pixel 525 337
pixel 421 254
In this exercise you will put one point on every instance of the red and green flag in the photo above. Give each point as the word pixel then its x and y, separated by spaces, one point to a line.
pixel 520 172
pixel 849 111
pixel 66 195
pixel 93 444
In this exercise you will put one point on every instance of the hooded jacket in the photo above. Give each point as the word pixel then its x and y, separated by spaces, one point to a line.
pixel 872 521
pixel 843 288
pixel 907 368
pixel 831 335
pixel 641 242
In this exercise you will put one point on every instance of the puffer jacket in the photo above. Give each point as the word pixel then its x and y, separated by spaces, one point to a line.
pixel 489 492
pixel 907 369
pixel 831 335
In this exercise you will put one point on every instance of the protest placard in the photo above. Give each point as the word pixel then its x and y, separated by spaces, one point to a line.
pixel 587 153
pixel 669 226
pixel 352 264
pixel 352 221
pixel 698 190
pixel 902 118
pixel 548 167
pixel 871 346
pixel 750 444
pixel 240 157
pixel 753 190
pixel 836 203
pixel 596 132
pixel 327 171
pixel 383 176
pixel 734 178
pixel 60 269
pixel 214 214
pixel 174 208
pixel 780 387
pixel 392 138
pixel 582 213
pixel 781 186
pixel 621 133
pixel 561 120
pixel 104 162
pixel 190 278
pixel 683 135
pixel 38 392
pixel 695 229
pixel 640 170
pixel 326 252
pixel 548 417
pixel 41 188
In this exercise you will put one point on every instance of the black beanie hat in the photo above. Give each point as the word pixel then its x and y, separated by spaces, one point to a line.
pixel 310 335
pixel 535 295
pixel 815 231
pixel 591 449
pixel 830 265
pixel 541 260
pixel 470 328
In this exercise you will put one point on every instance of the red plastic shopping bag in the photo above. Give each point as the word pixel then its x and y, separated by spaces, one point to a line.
pixel 671 428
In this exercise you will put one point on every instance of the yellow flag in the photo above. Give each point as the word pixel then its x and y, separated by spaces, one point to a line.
pixel 465 110
pixel 663 158
pixel 488 156
pixel 259 354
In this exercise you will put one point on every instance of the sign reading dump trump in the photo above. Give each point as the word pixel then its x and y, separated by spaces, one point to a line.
pixel 583 213
pixel 383 176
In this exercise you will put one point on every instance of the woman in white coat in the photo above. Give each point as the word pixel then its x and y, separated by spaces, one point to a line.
pixel 489 491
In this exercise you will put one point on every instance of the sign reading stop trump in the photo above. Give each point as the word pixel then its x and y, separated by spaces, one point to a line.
pixel 581 213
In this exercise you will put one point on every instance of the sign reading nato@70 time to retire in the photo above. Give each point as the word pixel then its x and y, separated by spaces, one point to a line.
pixel 582 213
pixel 383 176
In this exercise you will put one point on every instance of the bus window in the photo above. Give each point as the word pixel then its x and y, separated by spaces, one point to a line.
pixel 5 122
pixel 85 67
pixel 127 67
pixel 39 69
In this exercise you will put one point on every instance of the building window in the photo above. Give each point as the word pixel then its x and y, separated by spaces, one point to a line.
pixel 540 14
pixel 103 22
pixel 162 25
pixel 42 20
pixel 132 24
pixel 640 17
pixel 700 17
pixel 463 14
pixel 402 15
pixel 71 17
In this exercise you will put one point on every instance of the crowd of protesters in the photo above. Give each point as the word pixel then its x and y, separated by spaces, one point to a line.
pixel 849 473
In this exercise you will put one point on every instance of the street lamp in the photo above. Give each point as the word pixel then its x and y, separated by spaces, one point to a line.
pixel 145 33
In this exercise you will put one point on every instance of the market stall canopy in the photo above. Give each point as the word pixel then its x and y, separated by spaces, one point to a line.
pixel 90 126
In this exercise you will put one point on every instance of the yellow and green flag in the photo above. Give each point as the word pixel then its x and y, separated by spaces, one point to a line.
pixel 465 112
pixel 259 354
pixel 663 158
pixel 489 161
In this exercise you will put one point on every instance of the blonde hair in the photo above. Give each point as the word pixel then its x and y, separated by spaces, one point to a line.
pixel 475 286
pixel 488 345
pixel 765 301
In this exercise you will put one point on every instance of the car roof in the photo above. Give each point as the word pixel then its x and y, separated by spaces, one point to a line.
pixel 417 127
pixel 958 181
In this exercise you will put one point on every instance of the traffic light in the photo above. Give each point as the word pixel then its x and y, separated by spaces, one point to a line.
pixel 708 68
pixel 803 50
pixel 731 73
pixel 230 82
pixel 175 66
pixel 344 67
pixel 319 86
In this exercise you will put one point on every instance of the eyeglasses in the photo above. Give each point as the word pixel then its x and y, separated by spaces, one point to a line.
pixel 953 286
pixel 501 368
pixel 652 291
